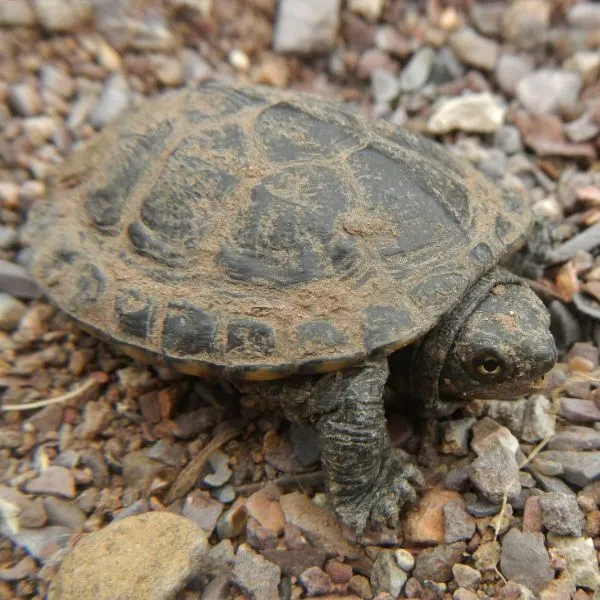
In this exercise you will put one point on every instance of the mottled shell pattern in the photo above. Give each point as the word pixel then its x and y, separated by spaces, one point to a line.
pixel 252 233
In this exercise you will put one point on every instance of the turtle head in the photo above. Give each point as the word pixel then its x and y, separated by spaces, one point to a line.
pixel 503 349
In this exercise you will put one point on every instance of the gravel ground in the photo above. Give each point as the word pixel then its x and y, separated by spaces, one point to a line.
pixel 221 507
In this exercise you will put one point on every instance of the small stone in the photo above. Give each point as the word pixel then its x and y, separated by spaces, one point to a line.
pixel 11 312
pixel 425 525
pixel 446 68
pixel 585 15
pixel 561 514
pixel 26 568
pixel 416 72
pixel 384 85
pixel 233 521
pixel 121 560
pixel 435 564
pixel 65 513
pixel 219 463
pixel 256 576
pixel 259 537
pixel 538 420
pixel 108 57
pixel 315 581
pixel 239 60
pixel 54 481
pixel 458 524
pixel 413 589
pixel 386 575
pixel 525 560
pixel 487 17
pixel 475 50
pixel 96 416
pixel 63 15
pixel 21 511
pixel 532 515
pixel 487 556
pixel 515 591
pixel 371 60
pixel 562 587
pixel 142 473
pixel 360 586
pixel 508 139
pixel 390 41
pixel 546 90
pixel 56 81
pixel 306 26
pixel 305 444
pixel 478 113
pixel 203 510
pixel 582 129
pixel 586 63
pixel 496 472
pixel 25 100
pixel 370 9
pixel 466 576
pixel 575 437
pixel 41 543
pixel 167 69
pixel 16 13
pixel 294 562
pixel 525 23
pixel 511 69
pixel 317 524
pixel 39 129
pixel 578 410
pixel 405 560
pixel 114 99
pixel 582 561
pixel 463 594
pixel 487 434
pixel 273 71
pixel 268 513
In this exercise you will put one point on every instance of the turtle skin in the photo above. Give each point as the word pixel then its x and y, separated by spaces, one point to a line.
pixel 254 234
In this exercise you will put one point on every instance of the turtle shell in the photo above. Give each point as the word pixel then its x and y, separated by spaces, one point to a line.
pixel 252 233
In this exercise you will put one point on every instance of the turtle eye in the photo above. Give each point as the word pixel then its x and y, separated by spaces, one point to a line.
pixel 488 366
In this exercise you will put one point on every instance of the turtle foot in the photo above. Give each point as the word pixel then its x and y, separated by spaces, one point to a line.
pixel 397 485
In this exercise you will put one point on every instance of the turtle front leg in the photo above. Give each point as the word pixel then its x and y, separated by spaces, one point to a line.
pixel 367 480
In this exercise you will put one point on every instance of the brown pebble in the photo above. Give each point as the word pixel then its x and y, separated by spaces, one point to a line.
pixel 338 571
pixel 532 515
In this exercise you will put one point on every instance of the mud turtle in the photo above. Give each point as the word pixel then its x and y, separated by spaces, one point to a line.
pixel 253 234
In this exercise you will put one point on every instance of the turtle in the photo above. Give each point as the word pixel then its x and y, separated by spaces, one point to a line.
pixel 274 239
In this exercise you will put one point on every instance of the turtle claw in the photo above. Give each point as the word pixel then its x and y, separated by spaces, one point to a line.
pixel 395 487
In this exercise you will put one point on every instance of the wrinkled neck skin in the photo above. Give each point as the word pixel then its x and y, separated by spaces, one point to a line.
pixel 429 359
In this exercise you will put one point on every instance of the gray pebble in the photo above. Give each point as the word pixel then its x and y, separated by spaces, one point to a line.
pixel 386 575
pixel 115 97
pixel 16 13
pixel 417 71
pixel 458 524
pixel 385 86
pixel 508 139
pixel 63 15
pixel 575 437
pixel 510 70
pixel 25 100
pixel 306 26
pixel 525 560
pixel 11 311
pixel 580 468
pixel 446 67
pixel 545 90
pixel 561 514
